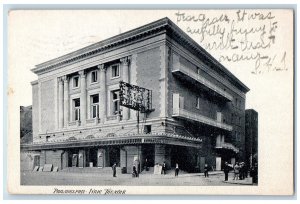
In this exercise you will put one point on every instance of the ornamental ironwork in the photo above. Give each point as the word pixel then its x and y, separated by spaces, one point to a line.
pixel 135 97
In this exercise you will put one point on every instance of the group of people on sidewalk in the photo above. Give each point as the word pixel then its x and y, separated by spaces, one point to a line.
pixel 241 171
pixel 164 169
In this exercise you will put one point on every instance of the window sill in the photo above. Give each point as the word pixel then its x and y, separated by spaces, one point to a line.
pixel 96 82
pixel 115 77
pixel 74 88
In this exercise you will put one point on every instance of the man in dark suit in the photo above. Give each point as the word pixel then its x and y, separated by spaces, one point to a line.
pixel 226 170
pixel 134 171
pixel 114 168
pixel 164 168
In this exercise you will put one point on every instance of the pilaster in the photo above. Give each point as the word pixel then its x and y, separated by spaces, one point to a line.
pixel 102 94
pixel 82 97
pixel 125 68
pixel 60 103
pixel 66 101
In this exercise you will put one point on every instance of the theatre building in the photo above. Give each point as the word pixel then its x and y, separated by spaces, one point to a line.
pixel 197 113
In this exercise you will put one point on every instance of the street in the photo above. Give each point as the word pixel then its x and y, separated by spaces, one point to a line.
pixel 92 179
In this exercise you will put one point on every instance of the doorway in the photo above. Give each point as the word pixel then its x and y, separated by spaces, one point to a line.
pixel 114 155
pixel 218 163
pixel 91 157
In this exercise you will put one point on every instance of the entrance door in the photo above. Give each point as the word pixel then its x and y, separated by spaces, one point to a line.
pixel 233 161
pixel 92 157
pixel 74 160
pixel 36 160
pixel 147 154
pixel 114 156
pixel 202 164
pixel 218 163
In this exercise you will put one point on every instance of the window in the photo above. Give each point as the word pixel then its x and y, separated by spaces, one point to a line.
pixel 47 138
pixel 147 129
pixel 198 103
pixel 76 108
pixel 115 71
pixel 95 106
pixel 219 117
pixel 75 81
pixel 94 77
pixel 238 136
pixel 198 71
pixel 115 102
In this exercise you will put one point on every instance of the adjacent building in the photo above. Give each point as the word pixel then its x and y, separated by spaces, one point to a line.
pixel 251 136
pixel 198 106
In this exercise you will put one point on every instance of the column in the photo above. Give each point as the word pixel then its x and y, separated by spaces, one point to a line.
pixel 60 103
pixel 125 68
pixel 101 155
pixel 81 158
pixel 162 154
pixel 102 94
pixel 66 101
pixel 82 97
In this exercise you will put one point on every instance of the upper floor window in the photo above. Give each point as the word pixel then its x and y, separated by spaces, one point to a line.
pixel 47 138
pixel 219 117
pixel 115 71
pixel 94 76
pixel 76 109
pixel 198 70
pixel 115 102
pixel 198 103
pixel 95 106
pixel 76 82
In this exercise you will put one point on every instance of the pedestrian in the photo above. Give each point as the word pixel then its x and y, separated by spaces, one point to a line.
pixel 114 168
pixel 226 171
pixel 134 171
pixel 146 165
pixel 254 174
pixel 206 170
pixel 236 170
pixel 241 173
pixel 163 169
pixel 176 169
pixel 246 171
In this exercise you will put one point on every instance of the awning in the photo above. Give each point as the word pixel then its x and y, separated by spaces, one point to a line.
pixel 161 138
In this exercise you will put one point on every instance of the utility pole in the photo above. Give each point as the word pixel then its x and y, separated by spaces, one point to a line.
pixel 138 122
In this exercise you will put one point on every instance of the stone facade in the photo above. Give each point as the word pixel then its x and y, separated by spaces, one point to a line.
pixel 198 105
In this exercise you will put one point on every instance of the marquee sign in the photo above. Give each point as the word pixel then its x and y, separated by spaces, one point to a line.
pixel 135 97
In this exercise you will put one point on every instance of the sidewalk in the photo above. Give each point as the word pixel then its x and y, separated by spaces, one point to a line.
pixel 171 173
pixel 246 181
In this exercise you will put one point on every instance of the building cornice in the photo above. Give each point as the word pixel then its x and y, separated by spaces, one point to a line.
pixel 35 82
pixel 161 26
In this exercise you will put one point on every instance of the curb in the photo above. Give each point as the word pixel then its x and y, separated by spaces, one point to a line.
pixel 231 182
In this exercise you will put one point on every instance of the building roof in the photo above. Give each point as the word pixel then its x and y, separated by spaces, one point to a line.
pixel 251 111
pixel 164 25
